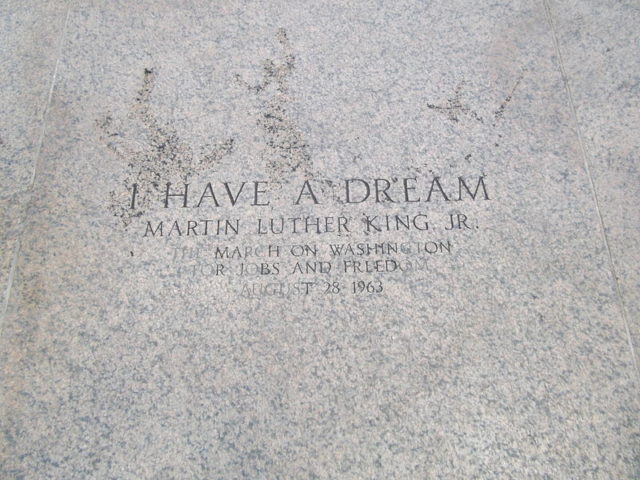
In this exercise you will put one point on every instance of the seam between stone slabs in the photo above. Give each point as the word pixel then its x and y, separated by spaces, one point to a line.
pixel 585 159
pixel 36 162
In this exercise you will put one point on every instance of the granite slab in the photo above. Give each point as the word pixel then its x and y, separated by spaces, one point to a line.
pixel 30 39
pixel 598 42
pixel 315 240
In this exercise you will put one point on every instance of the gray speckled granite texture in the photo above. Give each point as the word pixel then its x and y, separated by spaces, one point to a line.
pixel 507 358
pixel 599 43
pixel 30 35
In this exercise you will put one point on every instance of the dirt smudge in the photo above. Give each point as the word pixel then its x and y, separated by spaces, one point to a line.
pixel 162 156
pixel 499 113
pixel 286 150
pixel 454 108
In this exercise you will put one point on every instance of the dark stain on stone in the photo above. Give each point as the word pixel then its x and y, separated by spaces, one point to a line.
pixel 498 114
pixel 211 155
pixel 287 151
pixel 454 108
pixel 162 157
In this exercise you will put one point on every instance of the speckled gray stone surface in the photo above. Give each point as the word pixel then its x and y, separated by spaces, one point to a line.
pixel 507 356
pixel 30 36
pixel 598 42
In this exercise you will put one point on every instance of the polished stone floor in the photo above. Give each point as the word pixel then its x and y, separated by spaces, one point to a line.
pixel 465 302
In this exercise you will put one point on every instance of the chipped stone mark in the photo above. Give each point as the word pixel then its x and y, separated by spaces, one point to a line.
pixel 287 151
pixel 454 108
pixel 498 114
pixel 164 156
